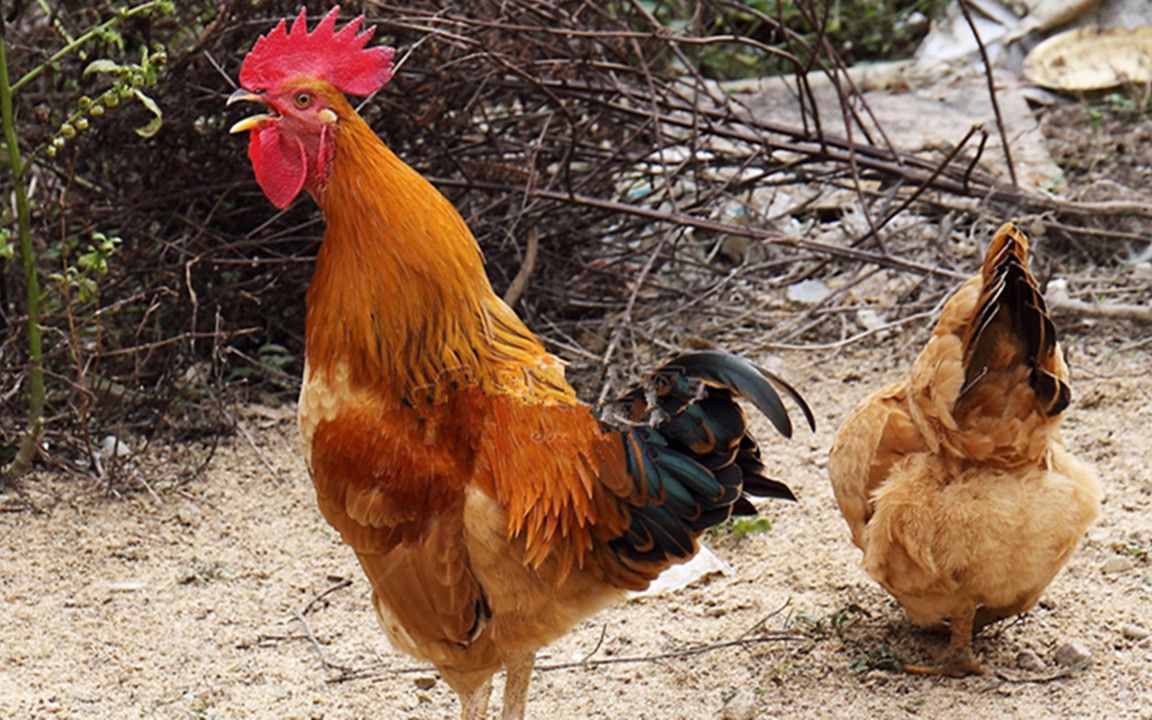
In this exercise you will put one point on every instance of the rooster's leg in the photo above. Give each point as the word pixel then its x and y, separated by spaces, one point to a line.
pixel 474 704
pixel 957 660
pixel 516 685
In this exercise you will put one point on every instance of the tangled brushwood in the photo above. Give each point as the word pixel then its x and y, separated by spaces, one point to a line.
pixel 627 198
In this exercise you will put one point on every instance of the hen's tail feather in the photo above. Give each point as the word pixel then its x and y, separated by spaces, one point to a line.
pixel 689 454
pixel 1011 309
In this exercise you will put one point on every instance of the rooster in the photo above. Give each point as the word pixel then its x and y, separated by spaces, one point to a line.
pixel 955 482
pixel 490 509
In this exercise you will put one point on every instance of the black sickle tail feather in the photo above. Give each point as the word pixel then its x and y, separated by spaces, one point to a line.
pixel 689 453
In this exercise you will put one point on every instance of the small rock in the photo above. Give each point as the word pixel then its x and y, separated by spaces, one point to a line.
pixel 1132 631
pixel 742 706
pixel 1115 565
pixel 1028 660
pixel 425 683
pixel 1073 653
pixel 808 292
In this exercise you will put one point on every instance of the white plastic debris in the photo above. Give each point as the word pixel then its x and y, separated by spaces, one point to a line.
pixel 680 576
pixel 808 292
pixel 114 447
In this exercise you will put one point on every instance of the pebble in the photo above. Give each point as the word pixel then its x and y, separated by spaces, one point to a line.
pixel 1072 653
pixel 1117 565
pixel 1132 631
pixel 1028 660
pixel 742 706
pixel 425 683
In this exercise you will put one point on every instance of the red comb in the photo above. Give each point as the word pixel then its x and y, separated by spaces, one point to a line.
pixel 325 53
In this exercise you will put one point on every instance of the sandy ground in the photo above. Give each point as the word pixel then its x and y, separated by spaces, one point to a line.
pixel 188 604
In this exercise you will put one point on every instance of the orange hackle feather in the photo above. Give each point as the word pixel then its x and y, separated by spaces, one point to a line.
pixel 400 306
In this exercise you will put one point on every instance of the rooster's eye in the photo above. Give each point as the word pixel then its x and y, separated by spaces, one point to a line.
pixel 302 100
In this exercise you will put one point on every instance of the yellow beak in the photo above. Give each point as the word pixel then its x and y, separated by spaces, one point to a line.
pixel 254 121
pixel 242 95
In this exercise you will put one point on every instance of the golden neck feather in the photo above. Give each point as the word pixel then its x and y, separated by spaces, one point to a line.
pixel 399 297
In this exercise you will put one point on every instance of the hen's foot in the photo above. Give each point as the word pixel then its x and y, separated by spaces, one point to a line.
pixel 953 663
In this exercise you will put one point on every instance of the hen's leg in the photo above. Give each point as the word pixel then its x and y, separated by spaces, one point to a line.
pixel 957 660
pixel 474 704
pixel 516 685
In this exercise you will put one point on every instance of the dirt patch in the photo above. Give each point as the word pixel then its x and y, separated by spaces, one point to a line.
pixel 188 606
pixel 191 604
pixel 1091 142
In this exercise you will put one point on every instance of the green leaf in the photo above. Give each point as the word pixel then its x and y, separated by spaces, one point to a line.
pixel 103 66
pixel 153 126
pixel 744 526
pixel 86 288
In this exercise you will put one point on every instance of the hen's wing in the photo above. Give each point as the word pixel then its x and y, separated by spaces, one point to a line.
pixel 878 433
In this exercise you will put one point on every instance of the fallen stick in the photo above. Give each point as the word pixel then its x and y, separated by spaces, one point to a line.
pixel 1112 311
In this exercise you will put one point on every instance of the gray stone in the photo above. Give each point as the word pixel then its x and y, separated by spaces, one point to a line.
pixel 1072 653
pixel 1117 564
pixel 1028 660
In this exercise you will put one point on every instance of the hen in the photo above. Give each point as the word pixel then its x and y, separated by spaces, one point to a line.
pixel 955 482
pixel 490 509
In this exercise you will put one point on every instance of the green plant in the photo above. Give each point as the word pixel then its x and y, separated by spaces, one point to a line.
pixel 745 526
pixel 848 616
pixel 1095 119
pixel 837 622
pixel 89 265
pixel 130 81
pixel 742 527
pixel 1130 549
pixel 879 658
pixel 859 30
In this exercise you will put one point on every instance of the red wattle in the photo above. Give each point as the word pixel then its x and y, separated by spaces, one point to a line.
pixel 279 163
